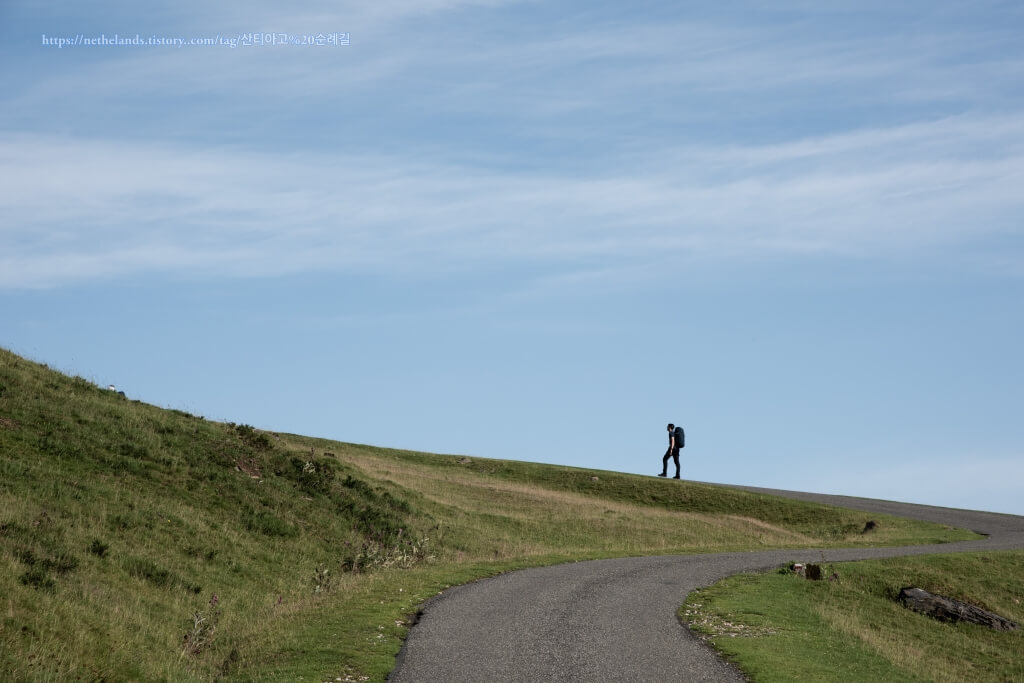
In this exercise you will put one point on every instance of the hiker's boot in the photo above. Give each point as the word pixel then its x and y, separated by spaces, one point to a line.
pixel 663 474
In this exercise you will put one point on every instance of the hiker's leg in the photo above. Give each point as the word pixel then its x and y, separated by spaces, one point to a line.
pixel 675 459
pixel 664 461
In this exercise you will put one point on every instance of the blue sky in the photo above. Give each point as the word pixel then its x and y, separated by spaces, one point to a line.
pixel 540 231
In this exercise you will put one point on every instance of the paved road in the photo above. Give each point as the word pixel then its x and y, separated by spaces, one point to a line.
pixel 615 620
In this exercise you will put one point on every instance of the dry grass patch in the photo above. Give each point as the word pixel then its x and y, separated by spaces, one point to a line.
pixel 530 520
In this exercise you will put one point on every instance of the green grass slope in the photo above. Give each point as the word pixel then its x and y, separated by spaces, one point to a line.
pixel 138 543
pixel 780 627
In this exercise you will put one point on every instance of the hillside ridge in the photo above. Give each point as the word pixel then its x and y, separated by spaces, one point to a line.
pixel 138 542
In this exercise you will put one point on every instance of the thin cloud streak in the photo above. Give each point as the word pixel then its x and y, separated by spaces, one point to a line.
pixel 546 72
pixel 101 208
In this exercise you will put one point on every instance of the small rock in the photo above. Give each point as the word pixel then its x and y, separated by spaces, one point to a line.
pixel 594 479
pixel 464 461
pixel 870 526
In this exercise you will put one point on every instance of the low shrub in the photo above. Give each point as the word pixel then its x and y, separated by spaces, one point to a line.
pixel 402 553
pixel 252 438
pixel 37 577
pixel 313 476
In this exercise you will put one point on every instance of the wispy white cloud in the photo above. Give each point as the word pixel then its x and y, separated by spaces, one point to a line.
pixel 76 209
pixel 519 71
pixel 689 66
pixel 638 166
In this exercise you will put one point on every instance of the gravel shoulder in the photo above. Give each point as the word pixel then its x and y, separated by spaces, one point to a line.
pixel 615 620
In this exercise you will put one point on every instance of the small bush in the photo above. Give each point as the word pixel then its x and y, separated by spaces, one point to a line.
pixel 203 630
pixel 253 438
pixel 38 578
pixel 62 562
pixel 12 529
pixel 26 556
pixel 98 548
pixel 313 476
pixel 322 580
pixel 358 485
pixel 402 553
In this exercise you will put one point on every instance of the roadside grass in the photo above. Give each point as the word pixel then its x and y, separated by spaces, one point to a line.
pixel 781 627
pixel 138 543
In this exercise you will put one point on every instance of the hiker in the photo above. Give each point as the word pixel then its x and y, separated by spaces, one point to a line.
pixel 676 440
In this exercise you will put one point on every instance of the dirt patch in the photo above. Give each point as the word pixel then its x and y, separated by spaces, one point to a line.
pixel 8 423
pixel 249 466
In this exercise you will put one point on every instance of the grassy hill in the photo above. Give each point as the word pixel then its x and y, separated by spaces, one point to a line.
pixel 138 543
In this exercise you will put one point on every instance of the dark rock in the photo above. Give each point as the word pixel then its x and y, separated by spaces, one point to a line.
pixel 813 572
pixel 948 609
pixel 870 526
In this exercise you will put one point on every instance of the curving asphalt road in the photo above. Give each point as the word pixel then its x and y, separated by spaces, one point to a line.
pixel 615 620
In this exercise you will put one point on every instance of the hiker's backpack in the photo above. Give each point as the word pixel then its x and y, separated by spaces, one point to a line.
pixel 680 436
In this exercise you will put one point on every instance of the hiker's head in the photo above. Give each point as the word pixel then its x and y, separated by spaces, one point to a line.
pixel 671 426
